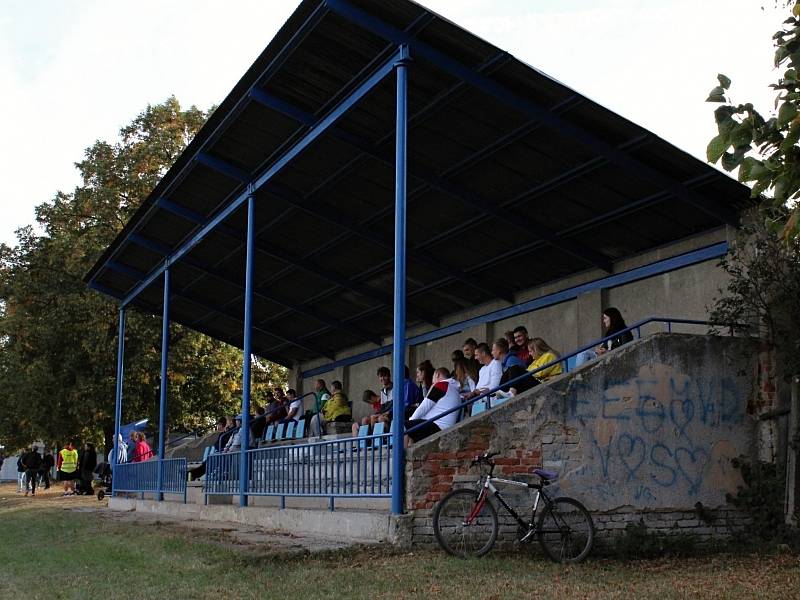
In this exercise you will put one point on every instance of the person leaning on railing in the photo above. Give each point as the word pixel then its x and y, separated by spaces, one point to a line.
pixel 444 395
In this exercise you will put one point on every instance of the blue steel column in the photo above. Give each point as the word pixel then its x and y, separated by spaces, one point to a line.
pixel 118 394
pixel 162 406
pixel 244 436
pixel 399 338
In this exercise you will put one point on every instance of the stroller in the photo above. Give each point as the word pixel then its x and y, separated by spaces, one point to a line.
pixel 102 479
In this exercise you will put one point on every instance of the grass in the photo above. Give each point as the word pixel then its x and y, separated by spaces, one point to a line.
pixel 70 548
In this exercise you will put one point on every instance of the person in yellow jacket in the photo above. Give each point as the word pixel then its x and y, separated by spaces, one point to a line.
pixel 335 409
pixel 543 354
pixel 68 468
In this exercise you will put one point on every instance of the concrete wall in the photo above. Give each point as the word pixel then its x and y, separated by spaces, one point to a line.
pixel 650 429
pixel 682 293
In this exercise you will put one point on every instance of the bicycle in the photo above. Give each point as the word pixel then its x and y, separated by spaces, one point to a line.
pixel 465 521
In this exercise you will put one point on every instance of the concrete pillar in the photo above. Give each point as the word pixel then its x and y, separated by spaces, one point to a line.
pixel 588 323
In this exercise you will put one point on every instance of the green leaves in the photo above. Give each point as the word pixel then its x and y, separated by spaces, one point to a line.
pixel 58 338
pixel 716 147
pixel 786 113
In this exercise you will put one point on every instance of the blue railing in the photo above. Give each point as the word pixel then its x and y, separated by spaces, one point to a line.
pixel 358 467
pixel 637 327
pixel 141 477
pixel 352 467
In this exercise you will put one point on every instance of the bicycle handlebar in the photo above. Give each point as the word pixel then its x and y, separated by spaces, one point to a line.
pixel 484 459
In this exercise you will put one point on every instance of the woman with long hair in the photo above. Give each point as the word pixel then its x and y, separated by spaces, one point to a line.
pixel 461 373
pixel 612 323
pixel 425 377
pixel 543 354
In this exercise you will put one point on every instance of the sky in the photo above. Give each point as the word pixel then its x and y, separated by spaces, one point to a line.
pixel 76 71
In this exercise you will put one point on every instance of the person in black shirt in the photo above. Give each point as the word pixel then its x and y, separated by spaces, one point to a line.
pixel 32 461
pixel 48 462
pixel 86 464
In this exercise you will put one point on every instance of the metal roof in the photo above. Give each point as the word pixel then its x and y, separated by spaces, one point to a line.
pixel 513 180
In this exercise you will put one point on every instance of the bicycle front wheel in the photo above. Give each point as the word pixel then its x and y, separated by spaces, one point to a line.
pixel 566 531
pixel 465 524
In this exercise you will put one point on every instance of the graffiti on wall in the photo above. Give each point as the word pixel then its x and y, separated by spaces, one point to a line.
pixel 657 437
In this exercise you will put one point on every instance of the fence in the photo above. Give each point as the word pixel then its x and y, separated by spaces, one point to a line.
pixel 353 467
pixel 141 477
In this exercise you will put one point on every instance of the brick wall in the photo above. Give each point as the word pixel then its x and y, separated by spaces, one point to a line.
pixel 646 433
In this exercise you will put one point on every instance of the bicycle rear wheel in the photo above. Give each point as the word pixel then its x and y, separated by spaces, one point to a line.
pixel 566 531
pixel 465 525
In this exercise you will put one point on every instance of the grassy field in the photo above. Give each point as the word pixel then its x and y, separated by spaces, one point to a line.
pixel 53 547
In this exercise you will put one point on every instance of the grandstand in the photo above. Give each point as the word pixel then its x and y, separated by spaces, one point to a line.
pixel 382 183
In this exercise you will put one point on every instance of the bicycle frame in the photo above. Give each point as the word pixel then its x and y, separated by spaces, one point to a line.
pixel 488 487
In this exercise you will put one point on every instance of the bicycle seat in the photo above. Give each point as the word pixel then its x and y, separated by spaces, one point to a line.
pixel 548 475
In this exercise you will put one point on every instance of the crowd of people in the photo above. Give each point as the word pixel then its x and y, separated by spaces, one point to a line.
pixel 477 368
pixel 430 400
pixel 34 469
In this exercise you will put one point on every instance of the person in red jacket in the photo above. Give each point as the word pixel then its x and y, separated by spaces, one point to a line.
pixel 142 451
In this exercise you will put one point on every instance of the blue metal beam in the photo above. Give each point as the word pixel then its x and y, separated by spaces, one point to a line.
pixel 337 279
pixel 310 137
pixel 399 334
pixel 162 404
pixel 653 269
pixel 221 166
pixel 528 107
pixel 118 392
pixel 247 351
pixel 519 220
pixel 318 314
pixel 285 52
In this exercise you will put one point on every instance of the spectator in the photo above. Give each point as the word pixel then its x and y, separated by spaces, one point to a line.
pixel 543 354
pixel 48 462
pixel 444 395
pixel 337 409
pixel 464 378
pixel 259 424
pixel 280 395
pixel 500 351
pixel 32 462
pixel 385 379
pixel 230 430
pixel 509 338
pixel 295 411
pixel 468 348
pixel 490 374
pixel 277 411
pixel 425 376
pixel 521 342
pixel 21 483
pixel 68 468
pixel 132 443
pixel 122 450
pixel 456 355
pixel 86 464
pixel 612 323
pixel 512 366
pixel 142 452
pixel 374 401
pixel 321 394
pixel 234 443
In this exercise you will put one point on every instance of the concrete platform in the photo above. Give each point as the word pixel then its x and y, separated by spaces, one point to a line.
pixel 356 526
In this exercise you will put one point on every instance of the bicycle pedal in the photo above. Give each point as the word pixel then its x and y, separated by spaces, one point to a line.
pixel 527 537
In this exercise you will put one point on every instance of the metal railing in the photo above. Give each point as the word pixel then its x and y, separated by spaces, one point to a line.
pixel 353 467
pixel 359 467
pixel 141 477
pixel 668 322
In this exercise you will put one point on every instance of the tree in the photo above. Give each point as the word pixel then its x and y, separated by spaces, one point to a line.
pixel 58 338
pixel 765 150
